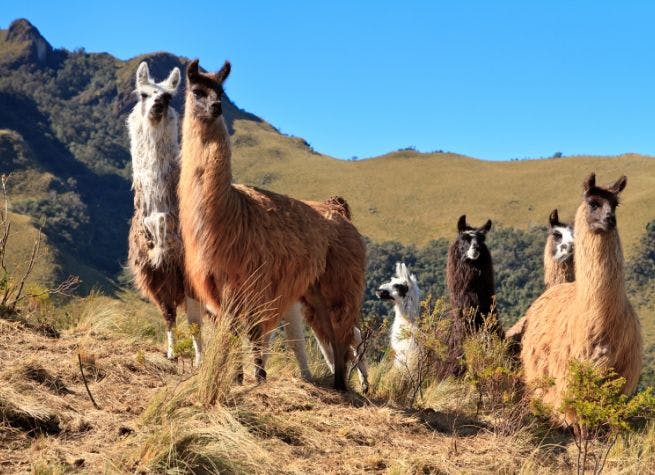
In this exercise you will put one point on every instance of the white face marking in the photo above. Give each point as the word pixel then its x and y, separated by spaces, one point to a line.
pixel 472 253
pixel 563 245
pixel 392 288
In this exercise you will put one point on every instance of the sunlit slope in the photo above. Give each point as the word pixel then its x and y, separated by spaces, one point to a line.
pixel 413 197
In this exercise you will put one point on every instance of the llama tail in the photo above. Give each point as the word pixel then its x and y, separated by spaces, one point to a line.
pixel 340 205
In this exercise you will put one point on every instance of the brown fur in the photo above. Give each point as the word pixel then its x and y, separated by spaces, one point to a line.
pixel 164 285
pixel 295 250
pixel 554 273
pixel 590 319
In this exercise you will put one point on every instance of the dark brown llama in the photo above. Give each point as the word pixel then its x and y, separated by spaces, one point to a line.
pixel 470 281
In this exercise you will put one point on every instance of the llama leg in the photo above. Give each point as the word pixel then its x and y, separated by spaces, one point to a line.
pixel 322 322
pixel 326 351
pixel 194 311
pixel 295 334
pixel 358 357
pixel 259 337
pixel 169 316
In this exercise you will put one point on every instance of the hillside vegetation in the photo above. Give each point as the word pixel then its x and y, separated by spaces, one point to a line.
pixel 63 137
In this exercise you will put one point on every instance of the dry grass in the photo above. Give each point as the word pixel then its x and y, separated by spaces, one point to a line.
pixel 155 417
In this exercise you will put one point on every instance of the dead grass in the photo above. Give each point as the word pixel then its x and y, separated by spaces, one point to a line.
pixel 155 418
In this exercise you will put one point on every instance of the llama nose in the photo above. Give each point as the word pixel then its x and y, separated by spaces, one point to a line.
pixel 383 294
pixel 216 109
pixel 611 220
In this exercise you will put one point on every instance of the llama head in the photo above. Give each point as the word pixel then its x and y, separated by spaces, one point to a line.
pixel 155 97
pixel 560 238
pixel 600 204
pixel 470 240
pixel 402 289
pixel 205 90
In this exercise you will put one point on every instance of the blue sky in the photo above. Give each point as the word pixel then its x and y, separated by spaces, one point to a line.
pixel 490 79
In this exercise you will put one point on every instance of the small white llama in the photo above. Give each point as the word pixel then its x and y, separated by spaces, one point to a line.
pixel 403 290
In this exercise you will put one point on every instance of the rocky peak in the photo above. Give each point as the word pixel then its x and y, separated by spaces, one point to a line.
pixel 37 49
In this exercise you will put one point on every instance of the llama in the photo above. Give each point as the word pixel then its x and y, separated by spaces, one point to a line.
pixel 403 290
pixel 155 250
pixel 558 254
pixel 294 251
pixel 591 318
pixel 470 275
pixel 558 265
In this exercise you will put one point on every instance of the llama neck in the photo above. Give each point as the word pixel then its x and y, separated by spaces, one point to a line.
pixel 208 146
pixel 155 162
pixel 599 274
pixel 556 272
pixel 408 309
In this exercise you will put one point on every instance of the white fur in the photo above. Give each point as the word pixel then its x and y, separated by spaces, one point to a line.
pixel 170 347
pixel 155 159
pixel 295 334
pixel 194 313
pixel 406 309
pixel 155 164
pixel 564 249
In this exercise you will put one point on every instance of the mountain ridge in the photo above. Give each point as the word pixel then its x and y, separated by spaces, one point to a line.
pixel 69 108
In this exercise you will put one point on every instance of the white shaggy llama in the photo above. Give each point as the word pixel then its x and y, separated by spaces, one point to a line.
pixel 403 290
pixel 155 249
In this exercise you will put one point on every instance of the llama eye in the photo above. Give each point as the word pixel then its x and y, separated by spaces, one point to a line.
pixel 144 95
pixel 594 205
pixel 199 93
pixel 557 235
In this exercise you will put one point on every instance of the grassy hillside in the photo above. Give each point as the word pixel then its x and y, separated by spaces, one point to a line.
pixel 414 198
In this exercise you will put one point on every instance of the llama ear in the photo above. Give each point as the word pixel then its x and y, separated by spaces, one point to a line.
pixel 554 218
pixel 142 74
pixel 487 226
pixel 461 223
pixel 398 269
pixel 589 183
pixel 404 271
pixel 224 72
pixel 192 70
pixel 173 79
pixel 619 185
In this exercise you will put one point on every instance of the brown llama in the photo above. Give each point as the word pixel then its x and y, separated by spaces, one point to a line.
pixel 558 265
pixel 297 252
pixel 589 319
pixel 470 274
pixel 470 282
pixel 155 249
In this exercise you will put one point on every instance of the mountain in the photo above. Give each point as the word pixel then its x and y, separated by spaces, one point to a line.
pixel 63 139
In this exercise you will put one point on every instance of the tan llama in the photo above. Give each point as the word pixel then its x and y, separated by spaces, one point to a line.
pixel 558 264
pixel 590 319
pixel 558 253
pixel 155 249
pixel 295 252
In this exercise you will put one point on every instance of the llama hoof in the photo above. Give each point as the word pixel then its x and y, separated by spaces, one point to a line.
pixel 365 388
pixel 260 375
pixel 196 362
pixel 170 356
pixel 306 375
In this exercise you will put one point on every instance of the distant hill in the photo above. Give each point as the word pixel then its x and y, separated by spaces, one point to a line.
pixel 62 136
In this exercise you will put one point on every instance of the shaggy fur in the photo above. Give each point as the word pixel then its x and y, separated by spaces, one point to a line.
pixel 590 319
pixel 558 253
pixel 403 291
pixel 470 274
pixel 233 235
pixel 558 265
pixel 155 249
